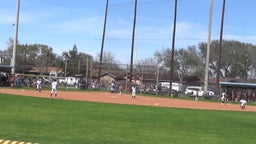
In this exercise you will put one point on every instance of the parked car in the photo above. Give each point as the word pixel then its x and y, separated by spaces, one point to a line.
pixel 162 90
pixel 192 91
pixel 82 84
pixel 210 92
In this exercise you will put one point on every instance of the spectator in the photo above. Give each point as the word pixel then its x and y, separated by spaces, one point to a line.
pixel 120 88
pixel 12 79
pixel 197 94
pixel 112 87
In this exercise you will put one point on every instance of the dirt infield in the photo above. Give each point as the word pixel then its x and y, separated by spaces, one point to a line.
pixel 126 99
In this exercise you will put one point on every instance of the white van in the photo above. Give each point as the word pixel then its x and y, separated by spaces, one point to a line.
pixel 175 86
pixel 192 91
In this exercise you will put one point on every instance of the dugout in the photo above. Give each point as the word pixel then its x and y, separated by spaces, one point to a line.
pixel 239 90
pixel 238 85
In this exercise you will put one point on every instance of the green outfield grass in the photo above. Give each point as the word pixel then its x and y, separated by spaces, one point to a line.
pixel 51 121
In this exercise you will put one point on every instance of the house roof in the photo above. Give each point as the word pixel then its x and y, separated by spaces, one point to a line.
pixel 109 74
pixel 43 69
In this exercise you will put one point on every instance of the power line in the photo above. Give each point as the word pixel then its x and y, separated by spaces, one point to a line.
pixel 155 39
pixel 179 39
pixel 143 1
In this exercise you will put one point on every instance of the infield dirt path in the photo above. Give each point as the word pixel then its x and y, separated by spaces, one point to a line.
pixel 105 97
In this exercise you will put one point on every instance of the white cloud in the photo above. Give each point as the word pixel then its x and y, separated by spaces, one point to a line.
pixel 74 26
pixel 6 17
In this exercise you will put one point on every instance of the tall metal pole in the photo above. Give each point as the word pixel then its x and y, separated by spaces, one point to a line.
pixel 103 39
pixel 47 59
pixel 66 65
pixel 79 65
pixel 133 35
pixel 25 57
pixel 87 68
pixel 13 61
pixel 173 45
pixel 220 48
pixel 206 79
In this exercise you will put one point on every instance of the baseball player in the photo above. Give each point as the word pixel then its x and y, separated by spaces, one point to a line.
pixel 54 88
pixel 242 103
pixel 38 85
pixel 133 92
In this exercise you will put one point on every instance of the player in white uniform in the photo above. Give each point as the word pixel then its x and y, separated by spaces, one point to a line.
pixel 54 88
pixel 38 85
pixel 223 98
pixel 133 92
pixel 242 103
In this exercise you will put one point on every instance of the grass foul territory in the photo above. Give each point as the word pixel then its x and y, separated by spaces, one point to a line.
pixel 51 121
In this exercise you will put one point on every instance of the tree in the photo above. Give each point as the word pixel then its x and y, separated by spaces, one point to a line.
pixel 148 65
pixel 109 63
pixel 36 55
pixel 189 62
pixel 85 61
pixel 7 54
pixel 237 59
pixel 107 57
pixel 186 61
pixel 71 58
pixel 76 62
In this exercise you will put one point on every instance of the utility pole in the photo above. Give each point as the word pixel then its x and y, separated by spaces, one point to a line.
pixel 173 45
pixel 47 59
pixel 25 57
pixel 206 78
pixel 87 68
pixel 103 39
pixel 66 65
pixel 13 60
pixel 78 68
pixel 220 48
pixel 133 35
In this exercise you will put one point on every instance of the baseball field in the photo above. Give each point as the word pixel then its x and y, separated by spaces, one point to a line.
pixel 100 117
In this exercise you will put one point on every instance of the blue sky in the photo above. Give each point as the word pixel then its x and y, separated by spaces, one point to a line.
pixel 62 23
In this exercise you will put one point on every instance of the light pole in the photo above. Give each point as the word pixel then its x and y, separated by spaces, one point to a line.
pixel 66 65
pixel 206 79
pixel 173 45
pixel 47 59
pixel 221 40
pixel 25 57
pixel 133 36
pixel 15 38
pixel 103 39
